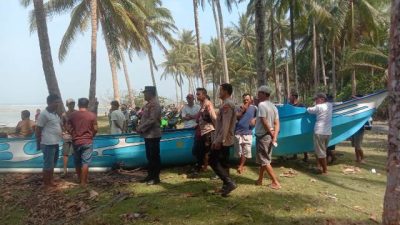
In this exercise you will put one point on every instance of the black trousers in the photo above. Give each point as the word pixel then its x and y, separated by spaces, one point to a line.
pixel 153 157
pixel 219 162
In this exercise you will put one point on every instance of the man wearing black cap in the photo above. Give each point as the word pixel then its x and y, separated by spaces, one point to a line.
pixel 322 129
pixel 149 128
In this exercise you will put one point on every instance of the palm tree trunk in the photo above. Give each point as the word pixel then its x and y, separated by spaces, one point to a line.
pixel 199 53
pixel 314 65
pixel 260 41
pixel 113 63
pixel 93 54
pixel 213 87
pixel 391 207
pixel 293 45
pixel 321 55
pixel 152 71
pixel 176 91
pixel 274 74
pixel 353 83
pixel 333 70
pixel 222 37
pixel 45 50
pixel 216 24
pixel 287 88
pixel 128 82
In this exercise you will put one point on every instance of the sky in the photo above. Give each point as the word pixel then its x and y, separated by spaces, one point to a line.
pixel 22 78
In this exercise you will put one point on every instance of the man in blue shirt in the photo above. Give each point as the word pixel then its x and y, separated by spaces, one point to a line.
pixel 245 115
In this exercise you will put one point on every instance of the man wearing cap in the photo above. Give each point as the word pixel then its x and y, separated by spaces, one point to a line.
pixel 322 129
pixel 294 101
pixel 224 139
pixel 67 138
pixel 267 130
pixel 149 129
pixel 189 112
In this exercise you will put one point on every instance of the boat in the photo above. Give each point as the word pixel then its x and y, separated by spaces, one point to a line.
pixel 127 150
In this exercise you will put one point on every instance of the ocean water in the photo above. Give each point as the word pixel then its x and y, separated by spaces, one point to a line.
pixel 11 114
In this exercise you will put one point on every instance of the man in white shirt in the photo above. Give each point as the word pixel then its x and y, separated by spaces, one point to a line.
pixel 322 129
pixel 189 112
pixel 117 118
pixel 48 136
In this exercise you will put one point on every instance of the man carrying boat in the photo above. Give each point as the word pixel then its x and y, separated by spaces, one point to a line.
pixel 149 129
pixel 322 129
pixel 267 130
pixel 83 125
pixel 294 101
pixel 224 139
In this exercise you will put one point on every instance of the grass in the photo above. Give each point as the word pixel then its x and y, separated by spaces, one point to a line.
pixel 304 199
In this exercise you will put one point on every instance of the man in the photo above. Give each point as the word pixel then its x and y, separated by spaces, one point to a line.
pixel 294 101
pixel 124 110
pixel 67 138
pixel 224 139
pixel 149 129
pixel 357 139
pixel 322 129
pixel 26 127
pixel 267 130
pixel 189 112
pixel 83 125
pixel 206 120
pixel 48 136
pixel 244 131
pixel 117 118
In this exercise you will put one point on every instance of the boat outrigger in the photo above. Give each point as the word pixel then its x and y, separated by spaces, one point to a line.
pixel 21 155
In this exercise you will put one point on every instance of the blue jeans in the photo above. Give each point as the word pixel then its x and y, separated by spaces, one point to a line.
pixel 82 154
pixel 50 156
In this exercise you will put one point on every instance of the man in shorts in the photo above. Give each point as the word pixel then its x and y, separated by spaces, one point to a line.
pixel 83 125
pixel 244 131
pixel 67 138
pixel 48 136
pixel 322 129
pixel 267 130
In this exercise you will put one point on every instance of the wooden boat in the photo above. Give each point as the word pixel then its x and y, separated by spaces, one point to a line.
pixel 21 155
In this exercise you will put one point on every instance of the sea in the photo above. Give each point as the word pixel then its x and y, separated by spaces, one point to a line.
pixel 11 114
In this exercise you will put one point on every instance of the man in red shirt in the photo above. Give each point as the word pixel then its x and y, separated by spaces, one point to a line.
pixel 83 125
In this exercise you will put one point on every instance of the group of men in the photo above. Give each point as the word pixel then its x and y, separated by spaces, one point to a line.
pixel 216 133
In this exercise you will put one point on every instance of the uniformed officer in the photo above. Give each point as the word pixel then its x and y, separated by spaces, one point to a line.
pixel 149 129
pixel 224 139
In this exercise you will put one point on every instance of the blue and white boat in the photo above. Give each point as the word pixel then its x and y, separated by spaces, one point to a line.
pixel 21 155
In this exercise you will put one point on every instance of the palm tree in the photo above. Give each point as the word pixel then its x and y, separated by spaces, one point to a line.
pixel 242 35
pixel 44 43
pixel 93 55
pixel 391 206
pixel 260 9
pixel 222 37
pixel 199 53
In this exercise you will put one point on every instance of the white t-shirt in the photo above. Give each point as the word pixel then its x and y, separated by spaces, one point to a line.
pixel 323 123
pixel 268 110
pixel 187 110
pixel 51 128
pixel 117 116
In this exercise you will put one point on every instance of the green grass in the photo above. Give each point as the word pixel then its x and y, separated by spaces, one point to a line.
pixel 304 199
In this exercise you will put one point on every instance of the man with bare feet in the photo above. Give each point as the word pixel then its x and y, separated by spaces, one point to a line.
pixel 83 125
pixel 267 130
pixel 243 131
pixel 48 136
pixel 322 129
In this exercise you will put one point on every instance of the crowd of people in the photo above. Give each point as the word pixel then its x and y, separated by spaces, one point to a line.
pixel 217 132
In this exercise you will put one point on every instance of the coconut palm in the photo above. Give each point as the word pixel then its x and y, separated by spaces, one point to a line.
pixel 391 205
pixel 44 44
pixel 242 35
pixel 199 52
